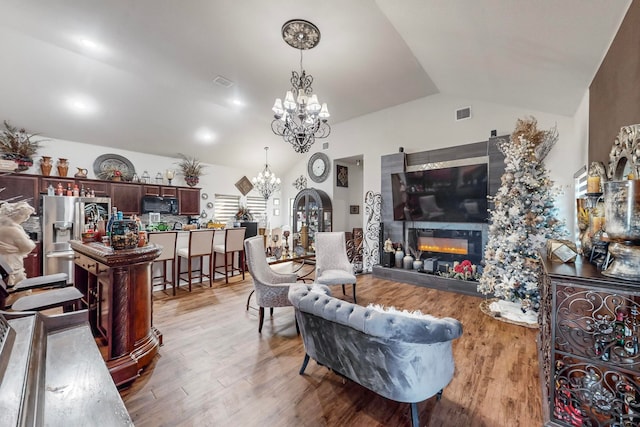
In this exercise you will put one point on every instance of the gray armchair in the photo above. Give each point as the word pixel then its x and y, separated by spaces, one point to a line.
pixel 271 288
pixel 332 262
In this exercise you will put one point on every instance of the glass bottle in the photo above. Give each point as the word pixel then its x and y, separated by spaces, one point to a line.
pixel 51 191
pixel 145 177
pixel 112 217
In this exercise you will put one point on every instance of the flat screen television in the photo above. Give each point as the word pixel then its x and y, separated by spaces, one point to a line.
pixel 451 194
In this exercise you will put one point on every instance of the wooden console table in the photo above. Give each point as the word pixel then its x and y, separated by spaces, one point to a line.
pixel 118 294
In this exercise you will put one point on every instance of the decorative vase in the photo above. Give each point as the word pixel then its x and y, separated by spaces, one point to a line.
pixel 45 165
pixel 82 173
pixel 399 256
pixel 191 181
pixel 116 178
pixel 63 167
pixel 407 262
pixel 418 264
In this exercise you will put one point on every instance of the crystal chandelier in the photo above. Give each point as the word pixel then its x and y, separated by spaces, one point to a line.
pixel 266 182
pixel 300 119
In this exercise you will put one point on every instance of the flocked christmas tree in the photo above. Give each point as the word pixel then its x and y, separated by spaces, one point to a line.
pixel 523 218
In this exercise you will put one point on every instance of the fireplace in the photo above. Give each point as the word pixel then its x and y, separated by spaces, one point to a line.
pixel 449 244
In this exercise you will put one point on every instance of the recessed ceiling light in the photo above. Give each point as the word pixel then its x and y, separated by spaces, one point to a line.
pixel 81 104
pixel 89 44
pixel 205 136
pixel 237 102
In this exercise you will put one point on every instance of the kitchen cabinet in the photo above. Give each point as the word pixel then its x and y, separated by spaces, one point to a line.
pixel 100 188
pixel 126 197
pixel 588 347
pixel 170 192
pixel 45 181
pixel 21 187
pixel 189 200
pixel 150 190
pixel 312 212
pixel 158 190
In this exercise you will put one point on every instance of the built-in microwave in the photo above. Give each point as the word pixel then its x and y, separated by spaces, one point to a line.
pixel 163 205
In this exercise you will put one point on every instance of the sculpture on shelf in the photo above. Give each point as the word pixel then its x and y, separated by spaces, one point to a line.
pixel 15 244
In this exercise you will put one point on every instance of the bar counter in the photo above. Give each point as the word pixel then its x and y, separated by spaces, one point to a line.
pixel 118 295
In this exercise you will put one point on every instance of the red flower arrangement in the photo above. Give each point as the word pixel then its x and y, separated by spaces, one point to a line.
pixel 464 267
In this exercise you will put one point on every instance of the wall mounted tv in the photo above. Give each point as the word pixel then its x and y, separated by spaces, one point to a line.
pixel 451 194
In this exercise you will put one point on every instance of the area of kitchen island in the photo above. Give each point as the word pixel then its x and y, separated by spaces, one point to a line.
pixel 118 295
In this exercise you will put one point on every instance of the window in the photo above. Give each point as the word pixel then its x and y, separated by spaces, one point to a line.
pixel 257 206
pixel 225 207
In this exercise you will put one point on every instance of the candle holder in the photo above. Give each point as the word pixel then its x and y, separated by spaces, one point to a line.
pixel 170 175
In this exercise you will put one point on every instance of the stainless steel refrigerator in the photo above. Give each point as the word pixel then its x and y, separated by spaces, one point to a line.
pixel 63 219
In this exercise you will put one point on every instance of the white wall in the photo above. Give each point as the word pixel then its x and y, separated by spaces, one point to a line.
pixel 429 123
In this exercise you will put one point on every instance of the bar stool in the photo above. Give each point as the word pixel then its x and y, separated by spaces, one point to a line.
pixel 167 240
pixel 233 243
pixel 200 243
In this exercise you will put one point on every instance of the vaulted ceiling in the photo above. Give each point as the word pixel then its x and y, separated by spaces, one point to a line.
pixel 139 75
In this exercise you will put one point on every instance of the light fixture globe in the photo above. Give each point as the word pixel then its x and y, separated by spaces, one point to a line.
pixel 266 182
pixel 300 118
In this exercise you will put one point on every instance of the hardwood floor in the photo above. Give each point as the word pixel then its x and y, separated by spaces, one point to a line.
pixel 214 369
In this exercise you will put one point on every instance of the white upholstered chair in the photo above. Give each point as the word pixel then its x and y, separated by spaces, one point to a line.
pixel 233 239
pixel 166 239
pixel 332 263
pixel 271 288
pixel 200 243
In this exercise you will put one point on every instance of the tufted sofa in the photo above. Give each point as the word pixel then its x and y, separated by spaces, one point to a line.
pixel 400 357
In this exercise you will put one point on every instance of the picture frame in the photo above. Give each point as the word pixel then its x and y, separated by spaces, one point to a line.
pixel 354 209
pixel 276 212
pixel 342 176
pixel 244 185
pixel 276 202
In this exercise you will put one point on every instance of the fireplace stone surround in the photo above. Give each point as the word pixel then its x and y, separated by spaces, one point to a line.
pixel 405 231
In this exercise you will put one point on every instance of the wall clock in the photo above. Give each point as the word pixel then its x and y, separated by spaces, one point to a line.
pixel 319 167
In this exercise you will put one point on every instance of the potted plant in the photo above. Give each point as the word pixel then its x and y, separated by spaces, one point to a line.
pixel 16 145
pixel 191 169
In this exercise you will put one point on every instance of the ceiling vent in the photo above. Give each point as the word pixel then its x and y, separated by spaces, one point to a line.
pixel 325 145
pixel 221 81
pixel 463 113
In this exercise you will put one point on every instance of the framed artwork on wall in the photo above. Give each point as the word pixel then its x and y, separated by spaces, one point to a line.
pixel 276 212
pixel 354 209
pixel 276 202
pixel 342 176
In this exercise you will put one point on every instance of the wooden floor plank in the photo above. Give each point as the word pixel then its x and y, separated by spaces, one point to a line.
pixel 214 369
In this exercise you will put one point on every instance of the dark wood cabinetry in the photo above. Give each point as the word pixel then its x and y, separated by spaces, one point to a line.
pixel 118 297
pixel 53 181
pixel 189 199
pixel 100 188
pixel 589 356
pixel 157 190
pixel 126 197
pixel 21 187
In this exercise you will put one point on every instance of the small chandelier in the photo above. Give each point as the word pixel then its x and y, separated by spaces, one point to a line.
pixel 300 119
pixel 266 182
